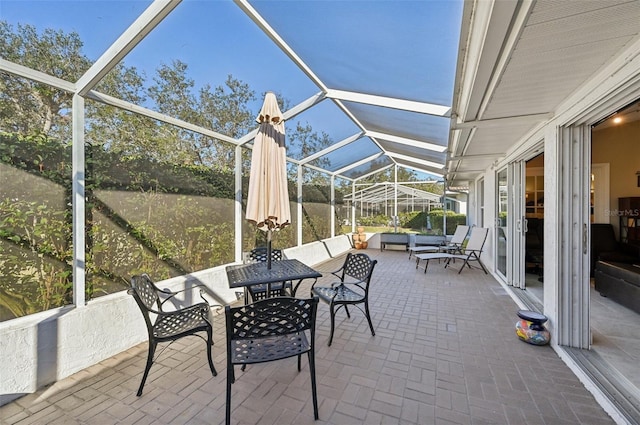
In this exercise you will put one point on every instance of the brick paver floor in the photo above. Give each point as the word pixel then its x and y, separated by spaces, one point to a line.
pixel 445 352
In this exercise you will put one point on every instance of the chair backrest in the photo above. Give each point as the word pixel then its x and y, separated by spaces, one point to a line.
pixel 358 266
pixel 477 239
pixel 271 317
pixel 259 255
pixel 145 292
pixel 459 235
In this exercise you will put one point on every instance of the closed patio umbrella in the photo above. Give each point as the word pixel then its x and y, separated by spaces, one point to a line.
pixel 268 197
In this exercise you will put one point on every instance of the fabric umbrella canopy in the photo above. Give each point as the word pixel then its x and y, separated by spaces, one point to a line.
pixel 268 197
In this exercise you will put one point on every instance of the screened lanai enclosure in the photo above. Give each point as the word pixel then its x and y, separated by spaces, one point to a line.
pixel 127 130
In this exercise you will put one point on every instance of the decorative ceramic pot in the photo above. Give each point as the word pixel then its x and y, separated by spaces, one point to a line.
pixel 531 328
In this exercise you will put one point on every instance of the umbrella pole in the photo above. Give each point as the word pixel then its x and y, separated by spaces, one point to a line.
pixel 269 231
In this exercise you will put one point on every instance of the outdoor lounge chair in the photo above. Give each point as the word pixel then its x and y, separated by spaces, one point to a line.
pixel 352 289
pixel 268 330
pixel 169 326
pixel 468 254
pixel 452 247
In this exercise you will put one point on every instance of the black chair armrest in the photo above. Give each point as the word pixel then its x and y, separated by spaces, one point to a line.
pixel 204 307
pixel 170 294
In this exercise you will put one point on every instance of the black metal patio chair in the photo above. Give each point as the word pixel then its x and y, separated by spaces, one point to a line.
pixel 268 330
pixel 352 289
pixel 262 291
pixel 169 326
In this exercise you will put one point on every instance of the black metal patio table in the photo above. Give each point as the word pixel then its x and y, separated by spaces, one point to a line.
pixel 244 275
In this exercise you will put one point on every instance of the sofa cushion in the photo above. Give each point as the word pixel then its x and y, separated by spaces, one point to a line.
pixel 626 272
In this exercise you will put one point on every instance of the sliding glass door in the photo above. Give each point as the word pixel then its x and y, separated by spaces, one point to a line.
pixel 510 224
pixel 501 223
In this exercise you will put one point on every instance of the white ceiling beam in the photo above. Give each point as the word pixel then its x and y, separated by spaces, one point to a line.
pixel 405 141
pixel 390 102
pixel 131 107
pixel 503 122
pixel 477 156
pixel 517 24
pixel 304 105
pixel 423 170
pixel 416 160
pixel 374 172
pixel 32 74
pixel 142 26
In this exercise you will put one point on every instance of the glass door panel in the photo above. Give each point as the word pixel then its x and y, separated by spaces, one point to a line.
pixel 501 223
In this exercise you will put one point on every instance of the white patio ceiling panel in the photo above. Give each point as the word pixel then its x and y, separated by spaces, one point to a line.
pixel 489 144
pixel 550 51
pixel 409 125
pixel 558 51
pixel 368 168
pixel 324 117
pixel 433 173
pixel 414 151
pixel 349 154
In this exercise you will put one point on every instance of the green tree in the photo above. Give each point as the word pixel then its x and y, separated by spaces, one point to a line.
pixel 307 142
pixel 30 107
pixel 224 110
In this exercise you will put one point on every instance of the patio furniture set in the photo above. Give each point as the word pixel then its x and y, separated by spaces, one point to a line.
pixel 274 325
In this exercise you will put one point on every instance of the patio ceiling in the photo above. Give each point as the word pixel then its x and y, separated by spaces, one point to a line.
pixel 519 62
pixel 378 78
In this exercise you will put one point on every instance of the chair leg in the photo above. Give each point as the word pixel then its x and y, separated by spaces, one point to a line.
pixel 299 362
pixel 314 392
pixel 466 262
pixel 347 310
pixel 333 323
pixel 209 344
pixel 230 380
pixel 426 265
pixel 366 311
pixel 152 350
pixel 482 265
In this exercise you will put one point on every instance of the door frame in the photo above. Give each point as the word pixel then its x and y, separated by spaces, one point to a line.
pixel 498 224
